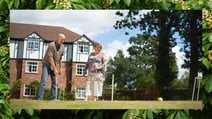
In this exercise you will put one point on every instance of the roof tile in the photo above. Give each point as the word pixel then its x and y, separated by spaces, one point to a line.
pixel 48 33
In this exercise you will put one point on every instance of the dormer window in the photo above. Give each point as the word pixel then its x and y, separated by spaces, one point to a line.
pixel 33 42
pixel 83 47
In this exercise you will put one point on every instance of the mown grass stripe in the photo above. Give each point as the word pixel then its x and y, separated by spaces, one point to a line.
pixel 59 104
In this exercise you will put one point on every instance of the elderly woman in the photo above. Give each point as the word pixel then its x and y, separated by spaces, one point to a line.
pixel 96 73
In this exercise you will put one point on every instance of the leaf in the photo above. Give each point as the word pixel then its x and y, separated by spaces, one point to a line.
pixel 2 29
pixel 205 36
pixel 209 3
pixel 3 3
pixel 206 62
pixel 77 6
pixel 49 7
pixel 181 114
pixel 17 111
pixel 4 87
pixel 127 2
pixel 171 116
pixel 207 82
pixel 149 114
pixel 210 38
pixel 39 4
pixel 111 2
pixel 5 109
pixel 125 115
pixel 29 112
pixel 166 4
pixel 130 112
pixel 117 1
pixel 16 3
pixel 7 117
pixel 186 112
pixel 156 110
pixel 77 1
pixel 96 6
pixel 206 47
pixel 10 5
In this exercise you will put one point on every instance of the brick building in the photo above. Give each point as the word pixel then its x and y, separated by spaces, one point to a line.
pixel 28 43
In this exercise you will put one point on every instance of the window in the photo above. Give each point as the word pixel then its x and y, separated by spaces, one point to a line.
pixel 80 69
pixel 83 47
pixel 31 66
pixel 80 92
pixel 29 91
pixel 33 44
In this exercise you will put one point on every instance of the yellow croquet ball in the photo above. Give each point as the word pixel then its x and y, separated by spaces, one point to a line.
pixel 160 99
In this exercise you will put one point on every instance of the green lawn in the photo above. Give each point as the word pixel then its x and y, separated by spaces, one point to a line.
pixel 59 104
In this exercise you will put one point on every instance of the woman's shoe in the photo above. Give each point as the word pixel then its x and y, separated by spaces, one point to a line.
pixel 86 98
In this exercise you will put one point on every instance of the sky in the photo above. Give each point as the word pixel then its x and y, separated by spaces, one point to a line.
pixel 96 24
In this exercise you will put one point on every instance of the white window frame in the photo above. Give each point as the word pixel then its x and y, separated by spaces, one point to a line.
pixel 83 47
pixel 31 91
pixel 80 68
pixel 33 65
pixel 80 92
pixel 33 42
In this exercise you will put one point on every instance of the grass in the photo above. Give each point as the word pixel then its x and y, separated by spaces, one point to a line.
pixel 77 104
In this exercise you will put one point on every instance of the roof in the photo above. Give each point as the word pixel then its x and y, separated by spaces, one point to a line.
pixel 48 33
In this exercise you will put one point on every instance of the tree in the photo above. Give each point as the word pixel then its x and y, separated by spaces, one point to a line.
pixel 163 65
pixel 119 66
pixel 165 24
pixel 143 57
pixel 191 31
pixel 182 83
pixel 161 25
pixel 154 4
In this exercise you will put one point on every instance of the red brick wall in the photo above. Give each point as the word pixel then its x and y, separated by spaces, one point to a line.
pixel 13 72
pixel 77 81
pixel 27 78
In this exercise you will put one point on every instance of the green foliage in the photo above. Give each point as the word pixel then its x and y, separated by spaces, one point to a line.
pixel 17 85
pixel 108 4
pixel 120 66
pixel 21 4
pixel 26 114
pixel 4 91
pixel 69 95
pixel 65 95
pixel 182 83
pixel 142 114
pixel 151 50
pixel 35 84
pixel 46 95
pixel 207 82
pixel 62 95
pixel 5 5
pixel 5 111
pixel 143 57
pixel 156 113
pixel 206 59
pixel 179 114
pixel 4 64
pixel 44 4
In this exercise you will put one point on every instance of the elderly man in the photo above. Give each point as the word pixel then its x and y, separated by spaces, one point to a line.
pixel 52 63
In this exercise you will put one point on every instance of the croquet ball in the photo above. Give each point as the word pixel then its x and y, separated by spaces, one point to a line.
pixel 160 99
